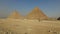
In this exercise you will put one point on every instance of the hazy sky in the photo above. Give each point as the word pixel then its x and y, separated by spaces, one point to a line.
pixel 50 7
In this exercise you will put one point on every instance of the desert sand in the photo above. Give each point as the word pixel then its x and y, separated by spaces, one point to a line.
pixel 20 26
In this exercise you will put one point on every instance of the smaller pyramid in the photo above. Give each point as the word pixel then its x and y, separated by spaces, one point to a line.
pixel 15 15
pixel 36 14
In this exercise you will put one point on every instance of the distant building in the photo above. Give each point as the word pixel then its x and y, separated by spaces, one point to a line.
pixel 36 14
pixel 15 15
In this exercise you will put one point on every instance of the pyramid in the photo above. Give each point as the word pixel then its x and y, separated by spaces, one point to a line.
pixel 36 14
pixel 15 15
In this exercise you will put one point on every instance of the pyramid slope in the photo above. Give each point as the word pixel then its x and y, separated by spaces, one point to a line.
pixel 15 15
pixel 36 14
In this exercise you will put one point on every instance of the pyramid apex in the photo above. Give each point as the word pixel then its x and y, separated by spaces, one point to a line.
pixel 36 8
pixel 15 11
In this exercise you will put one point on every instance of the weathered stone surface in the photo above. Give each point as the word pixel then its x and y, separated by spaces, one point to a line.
pixel 36 14
pixel 15 15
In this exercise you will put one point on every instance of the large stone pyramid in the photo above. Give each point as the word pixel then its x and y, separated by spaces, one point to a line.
pixel 15 15
pixel 36 14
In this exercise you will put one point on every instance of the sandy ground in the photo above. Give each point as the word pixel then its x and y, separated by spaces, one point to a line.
pixel 19 26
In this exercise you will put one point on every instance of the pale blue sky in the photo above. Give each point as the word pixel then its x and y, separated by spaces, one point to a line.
pixel 50 7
